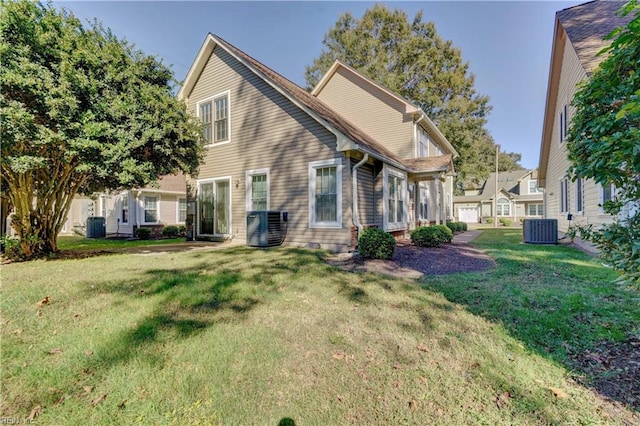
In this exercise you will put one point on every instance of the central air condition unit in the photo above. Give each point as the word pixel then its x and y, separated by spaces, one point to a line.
pixel 266 228
pixel 540 231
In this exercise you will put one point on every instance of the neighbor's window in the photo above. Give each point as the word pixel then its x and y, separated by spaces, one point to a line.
pixel 182 209
pixel 533 187
pixel 125 209
pixel 503 207
pixel 325 193
pixel 535 210
pixel 150 209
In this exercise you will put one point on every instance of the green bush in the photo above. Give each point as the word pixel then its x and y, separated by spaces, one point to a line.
pixel 431 236
pixel 170 231
pixel 182 230
pixel 453 226
pixel 143 233
pixel 374 243
pixel 489 220
pixel 504 221
pixel 463 226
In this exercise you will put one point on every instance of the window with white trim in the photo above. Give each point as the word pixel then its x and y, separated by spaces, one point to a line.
pixel 182 210
pixel 564 195
pixel 579 195
pixel 325 193
pixel 564 120
pixel 535 210
pixel 533 187
pixel 395 199
pixel 423 202
pixel 257 189
pixel 503 207
pixel 423 143
pixel 150 208
pixel 124 209
pixel 214 114
pixel 607 193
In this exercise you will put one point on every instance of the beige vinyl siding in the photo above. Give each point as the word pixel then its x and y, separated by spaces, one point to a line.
pixel 366 194
pixel 268 131
pixel 375 112
pixel 571 74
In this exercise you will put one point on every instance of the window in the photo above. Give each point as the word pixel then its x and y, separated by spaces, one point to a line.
pixel 564 195
pixel 325 193
pixel 221 119
pixel 151 209
pixel 533 187
pixel 423 203
pixel 564 118
pixel 535 210
pixel 182 210
pixel 124 209
pixel 423 143
pixel 503 207
pixel 214 114
pixel 579 195
pixel 607 193
pixel 394 193
pixel 205 116
pixel 257 189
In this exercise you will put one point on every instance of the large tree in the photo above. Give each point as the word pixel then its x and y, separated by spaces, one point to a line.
pixel 604 144
pixel 410 58
pixel 81 111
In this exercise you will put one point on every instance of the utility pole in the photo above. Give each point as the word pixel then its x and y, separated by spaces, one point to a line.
pixel 495 197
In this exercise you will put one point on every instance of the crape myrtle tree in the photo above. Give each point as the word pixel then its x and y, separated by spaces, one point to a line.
pixel 410 58
pixel 604 144
pixel 81 111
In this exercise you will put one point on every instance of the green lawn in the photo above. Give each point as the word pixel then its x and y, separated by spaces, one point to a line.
pixel 68 242
pixel 249 336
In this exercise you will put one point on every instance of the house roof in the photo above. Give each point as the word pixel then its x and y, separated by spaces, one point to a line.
pixel 409 107
pixel 587 24
pixel 349 135
pixel 583 27
pixel 430 164
pixel 508 183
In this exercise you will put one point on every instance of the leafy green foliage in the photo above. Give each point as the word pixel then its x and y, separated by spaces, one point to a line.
pixel 81 111
pixel 375 243
pixel 456 226
pixel 431 236
pixel 603 144
pixel 410 58
pixel 170 231
pixel 144 233
pixel 504 221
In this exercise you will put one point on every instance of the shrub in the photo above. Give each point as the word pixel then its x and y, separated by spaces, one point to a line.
pixel 463 225
pixel 431 236
pixel 143 233
pixel 182 230
pixel 170 231
pixel 504 221
pixel 489 220
pixel 374 243
pixel 453 226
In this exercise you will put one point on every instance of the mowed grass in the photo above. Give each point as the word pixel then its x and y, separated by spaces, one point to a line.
pixel 249 336
pixel 73 242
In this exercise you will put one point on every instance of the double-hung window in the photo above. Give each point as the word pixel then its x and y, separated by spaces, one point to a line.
pixel 214 114
pixel 182 210
pixel 563 125
pixel 533 187
pixel 257 189
pixel 535 210
pixel 503 207
pixel 395 193
pixel 564 195
pixel 579 195
pixel 124 209
pixel 423 202
pixel 150 209
pixel 607 193
pixel 325 193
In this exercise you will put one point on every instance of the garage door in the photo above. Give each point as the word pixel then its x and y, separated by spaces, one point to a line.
pixel 468 214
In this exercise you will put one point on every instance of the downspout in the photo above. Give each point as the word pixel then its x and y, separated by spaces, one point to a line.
pixel 354 182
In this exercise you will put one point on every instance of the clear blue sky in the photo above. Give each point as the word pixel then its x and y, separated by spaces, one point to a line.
pixel 507 44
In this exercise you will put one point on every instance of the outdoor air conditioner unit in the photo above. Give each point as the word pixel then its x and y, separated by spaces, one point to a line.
pixel 540 231
pixel 266 228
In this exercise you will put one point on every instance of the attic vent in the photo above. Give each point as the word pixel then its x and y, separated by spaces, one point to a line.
pixel 540 231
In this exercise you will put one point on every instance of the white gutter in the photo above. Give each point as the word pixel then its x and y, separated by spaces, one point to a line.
pixel 354 181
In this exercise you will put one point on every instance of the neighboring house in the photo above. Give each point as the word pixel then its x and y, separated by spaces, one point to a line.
pixel 152 206
pixel 519 197
pixel 578 37
pixel 271 145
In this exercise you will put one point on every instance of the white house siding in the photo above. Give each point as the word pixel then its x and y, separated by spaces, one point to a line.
pixel 269 131
pixel 376 112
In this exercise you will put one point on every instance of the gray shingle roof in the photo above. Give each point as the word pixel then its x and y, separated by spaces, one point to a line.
pixel 587 24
